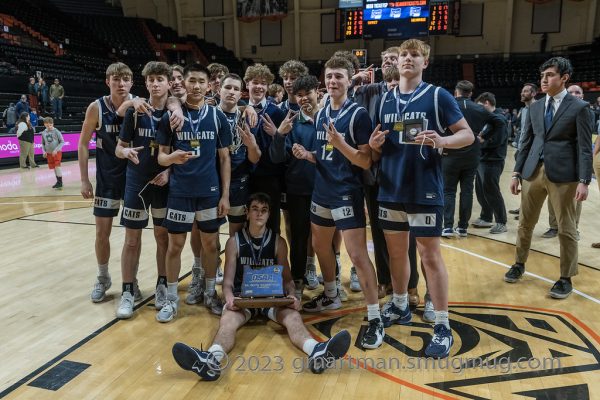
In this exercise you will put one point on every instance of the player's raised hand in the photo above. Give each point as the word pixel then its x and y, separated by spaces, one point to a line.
pixel 269 125
pixel 247 137
pixel 176 120
pixel 181 157
pixel 333 136
pixel 288 123
pixel 377 138
pixel 141 106
pixel 250 113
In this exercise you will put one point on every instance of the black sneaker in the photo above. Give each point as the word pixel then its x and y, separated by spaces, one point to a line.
pixel 516 211
pixel 203 363
pixel 374 334
pixel 514 273
pixel 561 289
pixel 550 233
pixel 325 353
pixel 55 185
pixel 322 302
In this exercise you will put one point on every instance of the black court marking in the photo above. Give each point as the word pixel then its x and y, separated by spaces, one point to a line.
pixel 59 375
pixel 76 346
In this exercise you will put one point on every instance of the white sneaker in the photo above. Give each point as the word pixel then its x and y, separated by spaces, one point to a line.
pixel 125 309
pixel 219 277
pixel 354 283
pixel 343 295
pixel 196 288
pixel 428 311
pixel 311 277
pixel 213 303
pixel 103 283
pixel 160 298
pixel 137 294
pixel 169 310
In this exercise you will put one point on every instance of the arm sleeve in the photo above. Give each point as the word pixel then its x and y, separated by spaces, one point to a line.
pixel 128 126
pixel 224 133
pixel 526 141
pixel 585 128
pixel 362 127
pixel 22 127
pixel 61 140
pixel 164 133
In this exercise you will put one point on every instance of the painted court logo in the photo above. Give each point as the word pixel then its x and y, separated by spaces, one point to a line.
pixel 518 352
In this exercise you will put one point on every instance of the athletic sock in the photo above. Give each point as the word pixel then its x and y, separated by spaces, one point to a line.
pixel 198 263
pixel 210 285
pixel 400 300
pixel 128 287
pixel 330 289
pixel 172 288
pixel 217 351
pixel 103 270
pixel 162 280
pixel 373 312
pixel 309 346
pixel 441 317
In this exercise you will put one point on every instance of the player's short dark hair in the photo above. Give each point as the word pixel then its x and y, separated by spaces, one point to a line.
pixel 306 83
pixel 464 87
pixel 231 75
pixel 157 68
pixel 563 65
pixel 195 68
pixel 486 96
pixel 260 198
pixel 337 62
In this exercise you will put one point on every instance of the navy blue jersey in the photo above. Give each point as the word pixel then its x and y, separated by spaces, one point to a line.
pixel 287 106
pixel 254 252
pixel 139 130
pixel 110 170
pixel 266 166
pixel 336 177
pixel 240 166
pixel 204 132
pixel 406 176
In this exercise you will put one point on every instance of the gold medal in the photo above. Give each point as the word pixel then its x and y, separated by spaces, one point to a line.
pixel 399 126
pixel 153 145
pixel 329 147
pixel 195 143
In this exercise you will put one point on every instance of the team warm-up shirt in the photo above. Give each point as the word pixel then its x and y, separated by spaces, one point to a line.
pixel 238 152
pixel 336 177
pixel 405 177
pixel 204 132
pixel 266 166
pixel 110 170
pixel 139 130
pixel 254 252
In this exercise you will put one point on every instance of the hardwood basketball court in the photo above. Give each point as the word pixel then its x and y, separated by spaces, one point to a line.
pixel 53 335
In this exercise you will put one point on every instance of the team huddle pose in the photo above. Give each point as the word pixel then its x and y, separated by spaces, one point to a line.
pixel 198 156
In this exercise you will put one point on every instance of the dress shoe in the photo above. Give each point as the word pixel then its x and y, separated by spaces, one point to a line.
pixel 413 297
pixel 383 289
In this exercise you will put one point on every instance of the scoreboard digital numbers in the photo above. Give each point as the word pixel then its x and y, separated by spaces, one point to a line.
pixel 395 19
pixel 354 23
pixel 439 17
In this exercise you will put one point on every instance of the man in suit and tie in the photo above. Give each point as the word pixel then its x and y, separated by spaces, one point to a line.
pixel 555 161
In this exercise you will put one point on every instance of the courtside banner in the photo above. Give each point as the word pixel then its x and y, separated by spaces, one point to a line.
pixel 9 145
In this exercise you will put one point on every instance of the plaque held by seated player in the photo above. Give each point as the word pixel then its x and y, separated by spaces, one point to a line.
pixel 262 286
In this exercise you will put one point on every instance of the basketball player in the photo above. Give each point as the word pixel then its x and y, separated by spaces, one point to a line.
pixel 101 117
pixel 243 153
pixel 411 185
pixel 146 185
pixel 257 245
pixel 342 152
pixel 267 175
pixel 195 195
pixel 217 72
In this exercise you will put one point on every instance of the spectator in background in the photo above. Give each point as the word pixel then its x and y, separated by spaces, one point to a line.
pixel 33 117
pixel 10 116
pixel 57 93
pixel 32 91
pixel 275 93
pixel 22 106
pixel 43 99
pixel 25 136
pixel 52 143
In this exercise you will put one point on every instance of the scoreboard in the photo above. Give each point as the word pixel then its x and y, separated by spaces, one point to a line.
pixel 439 17
pixel 395 19
pixel 354 23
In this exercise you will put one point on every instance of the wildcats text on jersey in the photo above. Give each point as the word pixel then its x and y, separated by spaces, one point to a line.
pixel 263 262
pixel 393 117
pixel 206 135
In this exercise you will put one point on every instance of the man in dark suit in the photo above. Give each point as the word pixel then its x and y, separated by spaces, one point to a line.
pixel 555 161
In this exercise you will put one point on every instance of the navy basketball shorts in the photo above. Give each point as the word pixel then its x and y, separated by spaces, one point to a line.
pixel 238 197
pixel 107 200
pixel 345 213
pixel 183 211
pixel 421 220
pixel 136 204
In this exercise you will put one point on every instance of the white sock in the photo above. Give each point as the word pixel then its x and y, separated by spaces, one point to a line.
pixel 310 261
pixel 441 317
pixel 373 311
pixel 330 289
pixel 103 270
pixel 197 262
pixel 172 288
pixel 309 346
pixel 210 285
pixel 58 172
pixel 217 351
pixel 400 300
pixel 339 262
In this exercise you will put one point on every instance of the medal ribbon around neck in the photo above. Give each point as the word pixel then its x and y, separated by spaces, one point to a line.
pixel 410 99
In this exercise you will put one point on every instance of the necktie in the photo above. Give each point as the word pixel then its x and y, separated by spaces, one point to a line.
pixel 549 113
pixel 258 106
